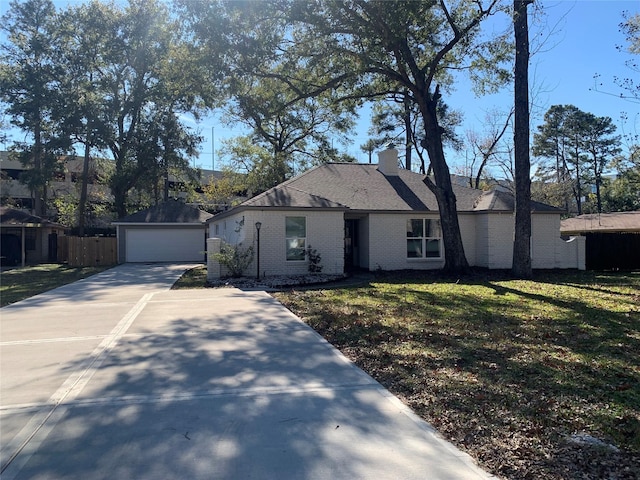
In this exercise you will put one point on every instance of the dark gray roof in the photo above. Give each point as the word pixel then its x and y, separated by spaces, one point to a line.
pixel 171 211
pixel 604 222
pixel 362 187
pixel 501 201
pixel 10 217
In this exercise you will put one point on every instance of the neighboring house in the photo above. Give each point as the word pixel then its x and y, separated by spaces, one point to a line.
pixel 169 232
pixel 27 238
pixel 380 217
pixel 612 239
pixel 67 182
pixel 618 222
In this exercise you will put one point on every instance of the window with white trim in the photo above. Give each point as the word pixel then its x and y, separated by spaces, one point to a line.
pixel 296 238
pixel 424 238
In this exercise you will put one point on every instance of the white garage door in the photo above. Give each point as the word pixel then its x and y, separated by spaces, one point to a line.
pixel 165 245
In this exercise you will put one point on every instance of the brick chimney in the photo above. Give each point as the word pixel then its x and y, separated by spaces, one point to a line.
pixel 388 162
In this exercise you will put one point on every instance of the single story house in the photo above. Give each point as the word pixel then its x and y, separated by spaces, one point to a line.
pixel 27 238
pixel 612 239
pixel 380 216
pixel 617 222
pixel 168 232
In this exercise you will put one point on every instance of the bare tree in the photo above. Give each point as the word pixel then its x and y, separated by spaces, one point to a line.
pixel 487 148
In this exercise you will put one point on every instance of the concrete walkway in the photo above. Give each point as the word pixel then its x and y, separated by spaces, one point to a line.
pixel 117 376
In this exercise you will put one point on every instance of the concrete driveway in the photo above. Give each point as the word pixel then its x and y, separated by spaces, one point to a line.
pixel 117 376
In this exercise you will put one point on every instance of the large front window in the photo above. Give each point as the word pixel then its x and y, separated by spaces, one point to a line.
pixel 296 238
pixel 424 238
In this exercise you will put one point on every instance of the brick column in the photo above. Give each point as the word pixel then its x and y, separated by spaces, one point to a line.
pixel 214 269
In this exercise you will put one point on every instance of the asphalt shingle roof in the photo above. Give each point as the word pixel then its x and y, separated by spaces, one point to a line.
pixel 350 186
pixel 501 201
pixel 10 217
pixel 605 222
pixel 171 211
pixel 362 187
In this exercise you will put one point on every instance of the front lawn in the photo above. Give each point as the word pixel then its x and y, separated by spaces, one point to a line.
pixel 20 283
pixel 535 379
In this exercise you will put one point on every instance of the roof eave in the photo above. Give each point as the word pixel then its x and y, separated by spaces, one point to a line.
pixel 600 230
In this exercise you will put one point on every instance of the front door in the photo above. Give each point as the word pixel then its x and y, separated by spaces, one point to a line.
pixel 351 245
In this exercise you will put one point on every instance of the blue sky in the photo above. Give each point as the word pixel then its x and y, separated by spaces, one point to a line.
pixel 577 39
pixel 573 41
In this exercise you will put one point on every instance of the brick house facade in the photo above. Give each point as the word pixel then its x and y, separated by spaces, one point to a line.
pixel 380 217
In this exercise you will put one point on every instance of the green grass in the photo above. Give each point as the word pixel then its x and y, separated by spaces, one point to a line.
pixel 192 278
pixel 506 369
pixel 20 283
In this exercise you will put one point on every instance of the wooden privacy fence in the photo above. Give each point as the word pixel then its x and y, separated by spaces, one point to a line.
pixel 87 251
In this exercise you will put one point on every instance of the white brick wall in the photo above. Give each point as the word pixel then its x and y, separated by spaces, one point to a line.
pixel 487 238
pixel 388 244
pixel 549 250
pixel 469 234
pixel 545 235
pixel 482 241
pixel 500 231
pixel 494 242
pixel 325 233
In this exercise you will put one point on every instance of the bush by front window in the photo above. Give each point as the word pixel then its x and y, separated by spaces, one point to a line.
pixel 424 238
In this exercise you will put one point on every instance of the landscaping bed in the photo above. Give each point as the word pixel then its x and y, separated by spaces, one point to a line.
pixel 197 278
pixel 535 379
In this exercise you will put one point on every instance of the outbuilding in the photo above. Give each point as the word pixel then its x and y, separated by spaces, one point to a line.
pixel 27 238
pixel 168 232
pixel 612 239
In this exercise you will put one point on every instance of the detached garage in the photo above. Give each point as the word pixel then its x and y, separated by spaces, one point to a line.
pixel 612 239
pixel 169 232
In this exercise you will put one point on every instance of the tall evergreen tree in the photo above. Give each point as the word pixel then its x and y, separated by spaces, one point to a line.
pixel 581 146
pixel 557 140
pixel 85 48
pixel 144 94
pixel 601 147
pixel 29 87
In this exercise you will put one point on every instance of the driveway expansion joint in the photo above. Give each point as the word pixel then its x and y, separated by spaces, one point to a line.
pixel 42 421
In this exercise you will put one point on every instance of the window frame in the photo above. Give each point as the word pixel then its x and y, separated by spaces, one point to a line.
pixel 423 238
pixel 297 238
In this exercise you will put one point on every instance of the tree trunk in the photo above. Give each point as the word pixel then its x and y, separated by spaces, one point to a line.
pixel 165 182
pixel 521 266
pixel 597 175
pixel 407 130
pixel 82 204
pixel 455 259
pixel 119 198
pixel 578 187
pixel 38 191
